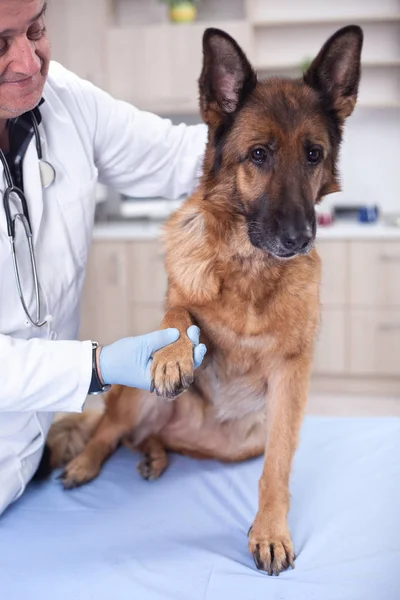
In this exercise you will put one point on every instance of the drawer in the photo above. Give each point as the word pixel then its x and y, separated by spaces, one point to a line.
pixel 145 318
pixel 375 342
pixel 334 272
pixel 147 278
pixel 330 349
pixel 375 274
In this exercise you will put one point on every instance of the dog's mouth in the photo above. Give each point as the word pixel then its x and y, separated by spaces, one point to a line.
pixel 272 244
pixel 287 254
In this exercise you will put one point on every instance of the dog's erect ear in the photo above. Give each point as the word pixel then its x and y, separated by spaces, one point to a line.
pixel 226 78
pixel 335 72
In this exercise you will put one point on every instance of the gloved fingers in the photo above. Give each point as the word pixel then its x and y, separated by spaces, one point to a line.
pixel 198 354
pixel 193 333
pixel 159 339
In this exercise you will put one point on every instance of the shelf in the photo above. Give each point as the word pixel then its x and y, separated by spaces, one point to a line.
pixel 358 20
pixel 393 64
pixel 383 105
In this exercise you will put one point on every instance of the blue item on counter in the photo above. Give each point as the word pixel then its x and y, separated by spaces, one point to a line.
pixel 368 214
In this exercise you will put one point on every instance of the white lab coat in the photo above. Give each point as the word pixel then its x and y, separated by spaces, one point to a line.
pixel 88 137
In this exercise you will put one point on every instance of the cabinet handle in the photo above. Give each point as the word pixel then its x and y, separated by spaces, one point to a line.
pixel 389 257
pixel 389 326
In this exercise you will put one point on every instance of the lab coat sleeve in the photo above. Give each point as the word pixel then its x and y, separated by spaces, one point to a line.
pixel 137 153
pixel 44 375
pixel 141 154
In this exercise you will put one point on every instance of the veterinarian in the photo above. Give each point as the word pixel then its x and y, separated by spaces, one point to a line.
pixel 59 136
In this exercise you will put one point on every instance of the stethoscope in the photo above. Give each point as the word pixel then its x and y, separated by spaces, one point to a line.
pixel 47 177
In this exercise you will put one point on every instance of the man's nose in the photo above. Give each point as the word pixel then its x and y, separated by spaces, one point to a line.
pixel 23 58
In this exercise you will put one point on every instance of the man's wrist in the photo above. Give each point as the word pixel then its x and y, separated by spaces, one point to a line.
pixel 99 375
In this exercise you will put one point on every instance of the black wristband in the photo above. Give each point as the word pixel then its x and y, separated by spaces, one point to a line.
pixel 96 387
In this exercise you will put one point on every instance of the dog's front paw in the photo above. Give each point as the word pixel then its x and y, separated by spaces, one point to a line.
pixel 172 369
pixel 79 471
pixel 271 547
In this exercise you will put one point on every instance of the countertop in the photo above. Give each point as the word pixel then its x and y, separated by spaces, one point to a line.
pixel 149 230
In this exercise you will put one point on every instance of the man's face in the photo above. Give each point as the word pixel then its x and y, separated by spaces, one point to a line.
pixel 24 55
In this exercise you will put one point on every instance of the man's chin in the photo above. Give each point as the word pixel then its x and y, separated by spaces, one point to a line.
pixel 25 102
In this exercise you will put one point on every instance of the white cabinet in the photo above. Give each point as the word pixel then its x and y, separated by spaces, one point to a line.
pixel 124 290
pixel 360 297
pixel 144 318
pixel 334 275
pixel 330 357
pixel 105 303
pixel 157 67
pixel 375 343
pixel 330 354
pixel 126 47
pixel 375 274
pixel 146 273
pixel 77 32
pixel 138 65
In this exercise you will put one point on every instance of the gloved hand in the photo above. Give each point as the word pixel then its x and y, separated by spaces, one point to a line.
pixel 128 361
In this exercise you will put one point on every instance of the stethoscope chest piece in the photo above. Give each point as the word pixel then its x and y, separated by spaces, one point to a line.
pixel 47 173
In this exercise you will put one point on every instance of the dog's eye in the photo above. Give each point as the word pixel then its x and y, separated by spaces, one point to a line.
pixel 258 155
pixel 314 155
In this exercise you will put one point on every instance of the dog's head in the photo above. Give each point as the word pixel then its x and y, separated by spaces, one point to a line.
pixel 273 145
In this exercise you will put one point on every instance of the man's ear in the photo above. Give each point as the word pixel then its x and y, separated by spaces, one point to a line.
pixel 227 77
pixel 335 72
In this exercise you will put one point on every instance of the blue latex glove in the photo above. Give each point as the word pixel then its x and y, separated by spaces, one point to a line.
pixel 128 361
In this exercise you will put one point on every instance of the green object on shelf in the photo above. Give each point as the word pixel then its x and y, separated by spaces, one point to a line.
pixel 181 11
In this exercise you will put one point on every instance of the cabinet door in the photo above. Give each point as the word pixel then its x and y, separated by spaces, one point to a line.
pixel 375 342
pixel 138 65
pixel 330 354
pixel 144 319
pixel 157 67
pixel 105 307
pixel 334 272
pixel 77 32
pixel 186 57
pixel 146 273
pixel 375 274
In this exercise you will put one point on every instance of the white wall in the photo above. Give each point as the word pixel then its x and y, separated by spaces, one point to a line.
pixel 370 160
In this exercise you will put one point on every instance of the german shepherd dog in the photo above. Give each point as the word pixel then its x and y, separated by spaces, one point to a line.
pixel 241 265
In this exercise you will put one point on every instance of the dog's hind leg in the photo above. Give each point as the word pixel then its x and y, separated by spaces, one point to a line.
pixel 129 413
pixel 154 460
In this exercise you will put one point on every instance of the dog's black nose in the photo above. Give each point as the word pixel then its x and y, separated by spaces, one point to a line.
pixel 294 240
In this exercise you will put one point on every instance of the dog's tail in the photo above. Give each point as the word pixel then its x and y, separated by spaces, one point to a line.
pixel 66 439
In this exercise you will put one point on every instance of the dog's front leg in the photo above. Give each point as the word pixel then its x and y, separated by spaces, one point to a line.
pixel 269 537
pixel 172 369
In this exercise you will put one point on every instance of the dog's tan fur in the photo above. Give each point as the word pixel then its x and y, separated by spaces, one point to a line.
pixel 258 315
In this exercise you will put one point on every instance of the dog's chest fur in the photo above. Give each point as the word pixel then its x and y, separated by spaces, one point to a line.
pixel 241 338
pixel 252 312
